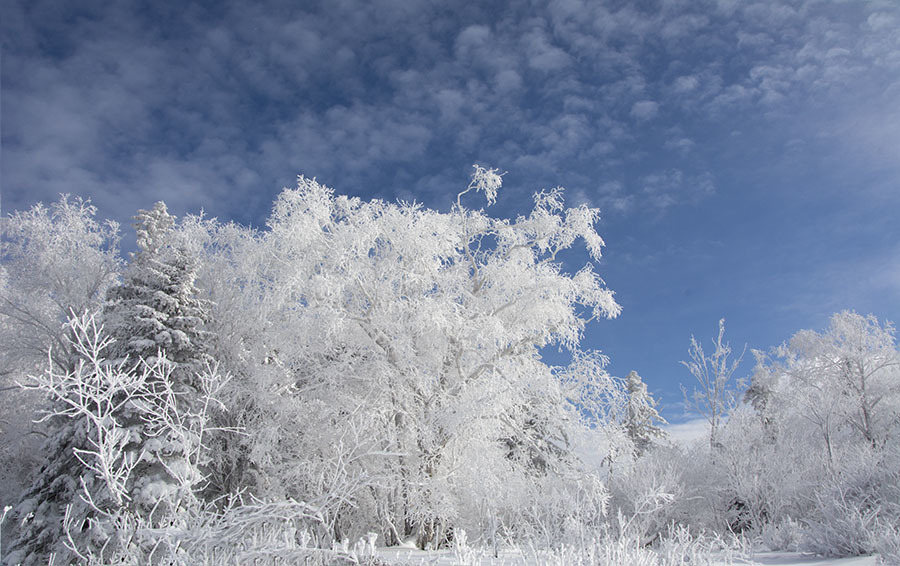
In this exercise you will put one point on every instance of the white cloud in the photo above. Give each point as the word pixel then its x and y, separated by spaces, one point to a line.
pixel 644 109
pixel 267 92
pixel 508 81
pixel 686 83
pixel 688 432
pixel 682 145
pixel 683 26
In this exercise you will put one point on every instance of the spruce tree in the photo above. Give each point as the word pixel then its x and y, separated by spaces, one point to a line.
pixel 155 321
pixel 156 312
pixel 57 485
pixel 641 415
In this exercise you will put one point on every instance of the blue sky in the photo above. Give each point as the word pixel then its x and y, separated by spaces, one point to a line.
pixel 745 155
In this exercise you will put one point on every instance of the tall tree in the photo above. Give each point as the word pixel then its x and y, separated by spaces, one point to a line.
pixel 429 326
pixel 154 313
pixel 154 320
pixel 54 261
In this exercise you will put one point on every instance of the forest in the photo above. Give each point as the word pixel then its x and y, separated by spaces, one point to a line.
pixel 362 375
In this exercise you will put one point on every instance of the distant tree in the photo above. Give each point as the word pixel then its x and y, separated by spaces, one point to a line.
pixel 641 417
pixel 716 394
pixel 842 380
pixel 857 359
pixel 829 404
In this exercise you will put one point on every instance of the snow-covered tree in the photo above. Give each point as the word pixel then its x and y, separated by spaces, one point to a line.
pixel 54 260
pixel 425 328
pixel 155 327
pixel 386 364
pixel 156 312
pixel 716 393
pixel 156 308
pixel 80 506
pixel 827 423
pixel 842 382
pixel 246 338
pixel 641 417
pixel 857 361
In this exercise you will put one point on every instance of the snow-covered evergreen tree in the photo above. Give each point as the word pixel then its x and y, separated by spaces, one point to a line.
pixel 156 312
pixel 82 506
pixel 57 485
pixel 641 417
pixel 156 307
pixel 155 322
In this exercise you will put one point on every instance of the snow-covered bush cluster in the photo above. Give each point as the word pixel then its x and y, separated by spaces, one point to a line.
pixel 805 457
pixel 367 373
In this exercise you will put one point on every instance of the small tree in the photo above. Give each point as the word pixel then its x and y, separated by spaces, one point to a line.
pixel 54 260
pixel 641 417
pixel 713 372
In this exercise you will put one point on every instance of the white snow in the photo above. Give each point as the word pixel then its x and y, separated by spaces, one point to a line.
pixel 476 557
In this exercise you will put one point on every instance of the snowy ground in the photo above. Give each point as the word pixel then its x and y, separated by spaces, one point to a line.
pixel 410 557
pixel 794 558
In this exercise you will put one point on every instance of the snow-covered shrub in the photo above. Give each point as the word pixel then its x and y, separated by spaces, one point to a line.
pixel 786 534
pixel 645 499
pixel 841 527
pixel 887 545
pixel 860 505
pixel 676 548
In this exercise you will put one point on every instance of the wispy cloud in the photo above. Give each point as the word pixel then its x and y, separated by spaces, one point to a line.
pixel 773 126
pixel 117 100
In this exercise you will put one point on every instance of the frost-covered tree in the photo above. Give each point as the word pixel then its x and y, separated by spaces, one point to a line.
pixel 425 329
pixel 641 417
pixel 246 318
pixel 386 364
pixel 716 393
pixel 156 312
pixel 80 507
pixel 843 382
pixel 828 423
pixel 857 361
pixel 154 318
pixel 54 260
pixel 156 308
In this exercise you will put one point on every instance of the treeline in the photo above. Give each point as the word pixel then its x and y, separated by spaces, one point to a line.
pixel 367 371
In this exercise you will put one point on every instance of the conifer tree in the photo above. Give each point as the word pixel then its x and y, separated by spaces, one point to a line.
pixel 156 312
pixel 641 416
pixel 146 380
